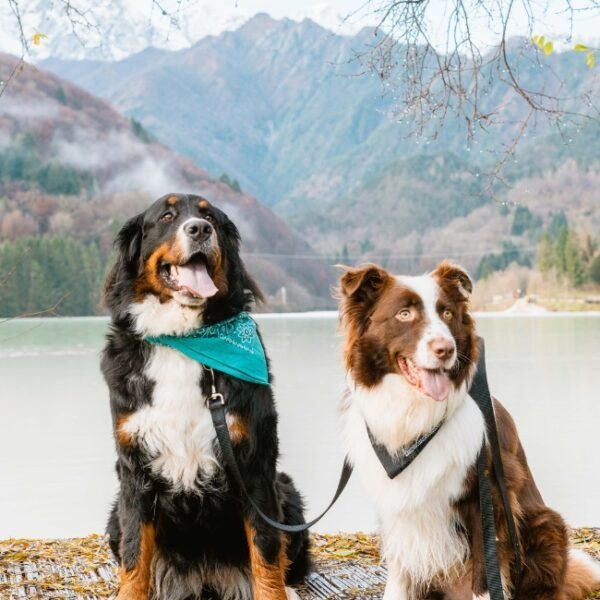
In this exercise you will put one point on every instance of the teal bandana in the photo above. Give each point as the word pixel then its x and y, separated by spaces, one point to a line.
pixel 231 346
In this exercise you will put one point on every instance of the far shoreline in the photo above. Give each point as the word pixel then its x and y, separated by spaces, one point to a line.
pixel 322 314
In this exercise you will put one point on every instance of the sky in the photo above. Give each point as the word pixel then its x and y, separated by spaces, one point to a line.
pixel 348 16
pixel 198 18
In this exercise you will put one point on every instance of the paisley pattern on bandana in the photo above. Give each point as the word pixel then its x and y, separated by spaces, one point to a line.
pixel 231 346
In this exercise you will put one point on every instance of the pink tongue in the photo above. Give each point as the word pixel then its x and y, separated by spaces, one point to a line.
pixel 435 383
pixel 196 280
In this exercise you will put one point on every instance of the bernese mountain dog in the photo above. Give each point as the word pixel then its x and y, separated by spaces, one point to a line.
pixel 178 529
pixel 411 352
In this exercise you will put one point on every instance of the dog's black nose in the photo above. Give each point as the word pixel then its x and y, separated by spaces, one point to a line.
pixel 198 229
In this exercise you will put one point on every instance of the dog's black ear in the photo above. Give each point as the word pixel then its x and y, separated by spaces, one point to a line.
pixel 129 240
pixel 252 287
pixel 129 245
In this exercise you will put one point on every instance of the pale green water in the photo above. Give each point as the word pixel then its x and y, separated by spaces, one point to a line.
pixel 56 448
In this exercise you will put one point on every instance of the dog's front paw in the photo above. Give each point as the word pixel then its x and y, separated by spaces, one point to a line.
pixel 291 594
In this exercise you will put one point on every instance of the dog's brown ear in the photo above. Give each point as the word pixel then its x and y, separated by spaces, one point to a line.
pixel 363 283
pixel 448 272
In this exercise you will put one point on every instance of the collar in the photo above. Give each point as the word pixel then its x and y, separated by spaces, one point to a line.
pixel 232 346
pixel 395 463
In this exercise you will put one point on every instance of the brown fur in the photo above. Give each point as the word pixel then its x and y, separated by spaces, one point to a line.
pixel 371 299
pixel 135 584
pixel 124 439
pixel 268 580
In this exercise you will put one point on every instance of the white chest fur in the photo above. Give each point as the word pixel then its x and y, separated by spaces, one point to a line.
pixel 176 428
pixel 417 520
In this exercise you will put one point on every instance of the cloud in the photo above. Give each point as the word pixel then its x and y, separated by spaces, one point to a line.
pixel 32 110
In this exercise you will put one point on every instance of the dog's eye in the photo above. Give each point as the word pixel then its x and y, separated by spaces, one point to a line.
pixel 447 315
pixel 406 314
pixel 167 217
pixel 209 218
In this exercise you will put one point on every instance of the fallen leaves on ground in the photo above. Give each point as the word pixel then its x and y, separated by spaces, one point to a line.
pixel 84 567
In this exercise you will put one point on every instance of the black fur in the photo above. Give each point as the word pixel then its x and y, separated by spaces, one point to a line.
pixel 193 530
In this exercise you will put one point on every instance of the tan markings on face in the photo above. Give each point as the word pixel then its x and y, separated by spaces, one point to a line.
pixel 149 281
pixel 124 438
pixel 268 580
pixel 172 200
pixel 135 583
pixel 203 204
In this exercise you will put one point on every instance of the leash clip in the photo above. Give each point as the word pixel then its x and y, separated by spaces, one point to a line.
pixel 214 395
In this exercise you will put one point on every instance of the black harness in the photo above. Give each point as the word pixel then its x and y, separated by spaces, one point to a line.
pixel 398 462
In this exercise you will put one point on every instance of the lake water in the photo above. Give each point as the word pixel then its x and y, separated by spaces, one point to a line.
pixel 57 454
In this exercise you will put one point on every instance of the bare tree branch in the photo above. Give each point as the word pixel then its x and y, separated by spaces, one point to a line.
pixel 433 79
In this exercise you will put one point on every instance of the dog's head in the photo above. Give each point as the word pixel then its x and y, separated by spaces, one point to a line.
pixel 178 265
pixel 416 327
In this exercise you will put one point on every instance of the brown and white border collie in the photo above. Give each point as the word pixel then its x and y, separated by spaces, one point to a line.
pixel 411 352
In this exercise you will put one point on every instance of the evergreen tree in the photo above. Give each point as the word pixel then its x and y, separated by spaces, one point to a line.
pixel 524 221
pixel 574 267
pixel 545 254
pixel 558 224
pixel 50 272
pixel 594 269
pixel 225 179
pixel 60 95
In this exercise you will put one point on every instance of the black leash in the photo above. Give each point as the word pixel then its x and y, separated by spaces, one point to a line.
pixel 480 392
pixel 216 404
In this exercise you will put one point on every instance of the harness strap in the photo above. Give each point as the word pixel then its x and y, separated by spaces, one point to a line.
pixel 217 411
pixel 394 464
pixel 480 392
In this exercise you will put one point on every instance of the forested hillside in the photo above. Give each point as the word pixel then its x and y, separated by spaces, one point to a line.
pixel 72 170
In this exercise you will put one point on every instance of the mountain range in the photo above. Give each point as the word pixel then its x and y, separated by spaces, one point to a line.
pixel 281 106
pixel 278 105
pixel 70 165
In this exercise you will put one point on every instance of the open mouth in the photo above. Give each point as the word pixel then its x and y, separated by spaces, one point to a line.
pixel 191 278
pixel 435 383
